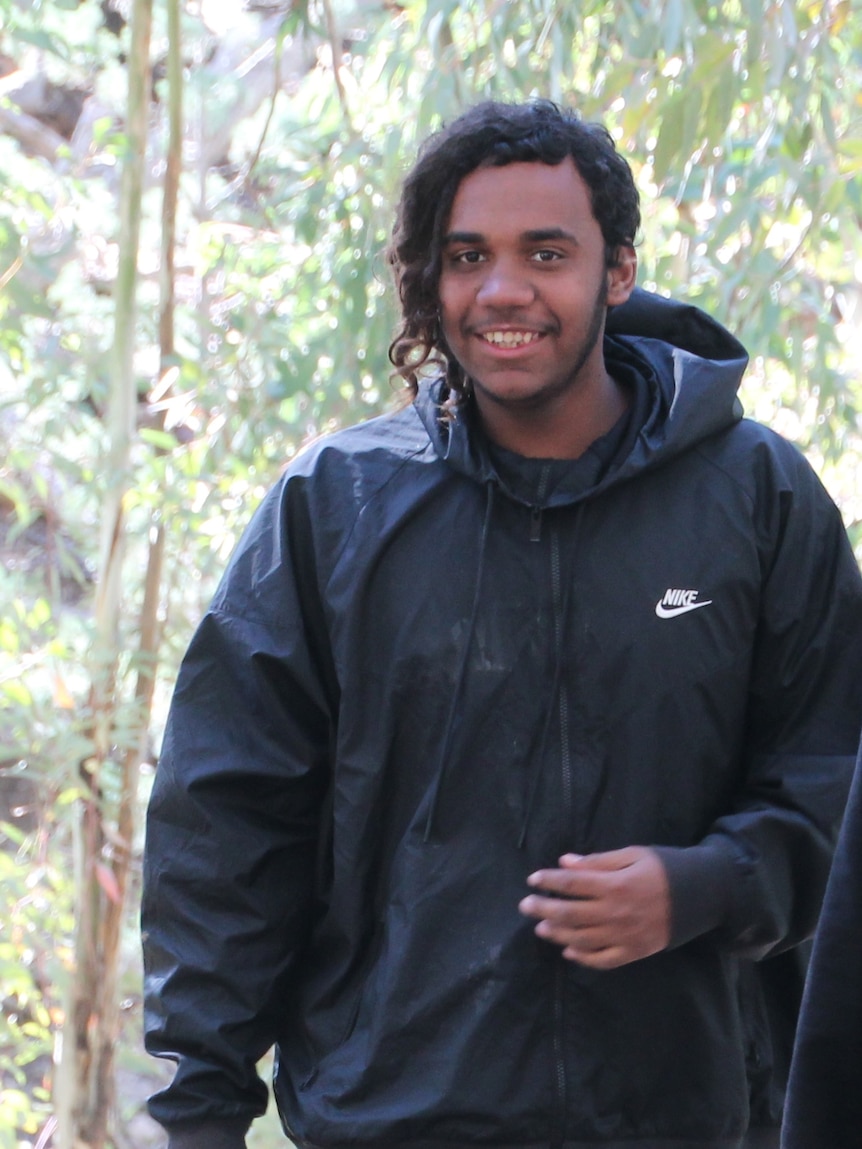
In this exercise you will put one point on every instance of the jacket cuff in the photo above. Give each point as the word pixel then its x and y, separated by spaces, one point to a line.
pixel 701 883
pixel 226 1134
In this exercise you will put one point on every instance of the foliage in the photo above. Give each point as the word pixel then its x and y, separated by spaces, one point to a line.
pixel 742 124
pixel 35 904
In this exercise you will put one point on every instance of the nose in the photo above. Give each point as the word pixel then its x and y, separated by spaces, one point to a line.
pixel 505 285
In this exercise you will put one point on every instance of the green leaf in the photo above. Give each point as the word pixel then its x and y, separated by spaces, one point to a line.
pixel 164 440
pixel 672 24
pixel 827 120
pixel 16 692
pixel 677 135
pixel 720 105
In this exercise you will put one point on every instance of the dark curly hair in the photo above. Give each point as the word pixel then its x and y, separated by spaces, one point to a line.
pixel 491 134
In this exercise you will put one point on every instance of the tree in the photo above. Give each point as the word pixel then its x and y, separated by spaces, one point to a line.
pixel 270 325
pixel 85 1081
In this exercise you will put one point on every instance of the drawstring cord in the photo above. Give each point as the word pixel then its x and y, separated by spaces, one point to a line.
pixel 556 682
pixel 462 669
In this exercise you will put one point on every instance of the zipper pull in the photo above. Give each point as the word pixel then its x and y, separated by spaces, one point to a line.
pixel 535 524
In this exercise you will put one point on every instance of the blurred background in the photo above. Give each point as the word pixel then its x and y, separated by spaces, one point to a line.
pixel 194 200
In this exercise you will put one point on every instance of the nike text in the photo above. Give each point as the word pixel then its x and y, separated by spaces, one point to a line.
pixel 676 602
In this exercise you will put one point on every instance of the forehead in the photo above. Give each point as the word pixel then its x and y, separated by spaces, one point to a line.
pixel 521 197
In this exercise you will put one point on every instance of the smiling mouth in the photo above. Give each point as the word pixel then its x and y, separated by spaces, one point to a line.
pixel 510 338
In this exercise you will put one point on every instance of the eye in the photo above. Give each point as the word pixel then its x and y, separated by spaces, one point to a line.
pixel 471 256
pixel 546 255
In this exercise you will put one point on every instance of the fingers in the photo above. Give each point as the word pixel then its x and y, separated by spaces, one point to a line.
pixel 609 860
pixel 605 909
pixel 584 925
pixel 585 877
pixel 612 957
pixel 578 870
pixel 591 946
pixel 584 939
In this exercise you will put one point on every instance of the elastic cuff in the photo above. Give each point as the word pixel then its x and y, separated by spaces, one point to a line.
pixel 227 1134
pixel 701 880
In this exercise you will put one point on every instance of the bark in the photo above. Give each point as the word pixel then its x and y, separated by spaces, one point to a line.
pixel 34 137
pixel 85 1086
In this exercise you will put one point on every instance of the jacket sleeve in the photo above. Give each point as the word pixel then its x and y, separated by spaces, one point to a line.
pixel 824 1099
pixel 232 829
pixel 758 876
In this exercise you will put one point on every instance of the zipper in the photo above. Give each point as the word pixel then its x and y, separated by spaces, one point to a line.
pixel 536 508
pixel 559 598
pixel 563 701
pixel 558 1131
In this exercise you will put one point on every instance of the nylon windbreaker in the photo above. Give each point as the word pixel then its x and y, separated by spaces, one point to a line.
pixel 432 668
pixel 824 1098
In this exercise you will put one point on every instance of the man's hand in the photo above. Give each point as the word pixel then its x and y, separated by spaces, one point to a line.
pixel 609 909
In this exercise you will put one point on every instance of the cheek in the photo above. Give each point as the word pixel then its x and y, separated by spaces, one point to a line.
pixel 455 293
pixel 445 294
pixel 451 306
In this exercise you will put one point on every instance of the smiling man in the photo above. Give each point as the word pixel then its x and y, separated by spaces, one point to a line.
pixel 525 286
pixel 501 780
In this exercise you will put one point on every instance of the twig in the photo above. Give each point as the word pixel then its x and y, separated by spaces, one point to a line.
pixel 335 48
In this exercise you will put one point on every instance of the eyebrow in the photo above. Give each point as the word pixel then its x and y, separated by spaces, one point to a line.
pixel 463 237
pixel 537 235
pixel 543 234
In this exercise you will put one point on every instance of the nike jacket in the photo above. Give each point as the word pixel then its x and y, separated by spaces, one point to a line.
pixel 433 667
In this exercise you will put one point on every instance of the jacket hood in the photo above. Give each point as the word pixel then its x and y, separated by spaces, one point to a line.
pixel 688 364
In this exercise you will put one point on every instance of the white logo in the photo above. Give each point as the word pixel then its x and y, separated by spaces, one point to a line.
pixel 679 602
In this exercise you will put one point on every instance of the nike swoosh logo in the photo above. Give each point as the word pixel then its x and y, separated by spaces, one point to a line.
pixel 672 611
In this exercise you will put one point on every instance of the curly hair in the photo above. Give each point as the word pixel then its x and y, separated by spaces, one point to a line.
pixel 491 134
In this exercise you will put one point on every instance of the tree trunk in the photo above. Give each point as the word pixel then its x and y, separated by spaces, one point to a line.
pixel 85 1085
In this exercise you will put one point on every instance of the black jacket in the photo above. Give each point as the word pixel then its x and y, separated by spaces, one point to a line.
pixel 824 1099
pixel 431 668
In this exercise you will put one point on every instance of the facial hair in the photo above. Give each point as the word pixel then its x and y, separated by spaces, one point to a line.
pixel 538 399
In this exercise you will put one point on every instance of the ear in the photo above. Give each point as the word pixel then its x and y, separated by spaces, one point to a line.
pixel 622 276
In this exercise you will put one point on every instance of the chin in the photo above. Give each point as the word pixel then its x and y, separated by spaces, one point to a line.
pixel 518 395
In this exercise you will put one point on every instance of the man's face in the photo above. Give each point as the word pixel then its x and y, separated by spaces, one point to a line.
pixel 524 287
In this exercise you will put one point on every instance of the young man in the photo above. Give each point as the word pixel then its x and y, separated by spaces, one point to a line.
pixel 501 777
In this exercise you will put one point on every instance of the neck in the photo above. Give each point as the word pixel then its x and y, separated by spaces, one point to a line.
pixel 564 429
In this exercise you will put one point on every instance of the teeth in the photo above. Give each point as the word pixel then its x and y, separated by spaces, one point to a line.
pixel 510 338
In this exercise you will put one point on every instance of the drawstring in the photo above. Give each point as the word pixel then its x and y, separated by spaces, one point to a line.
pixel 462 669
pixel 555 684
